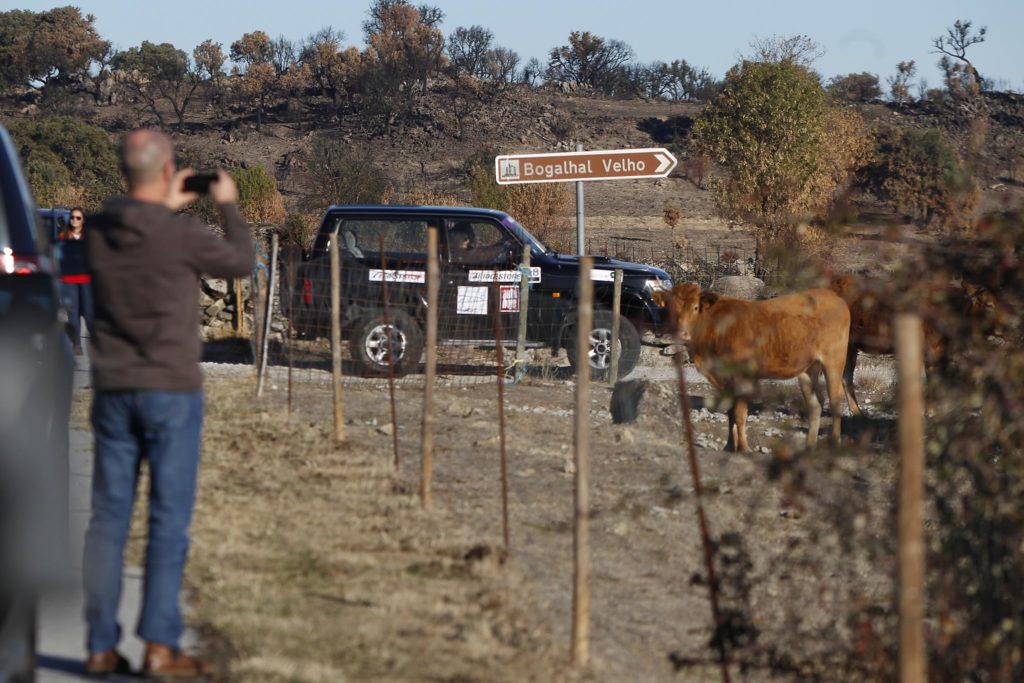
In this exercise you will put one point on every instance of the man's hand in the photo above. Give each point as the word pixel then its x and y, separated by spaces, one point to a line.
pixel 223 190
pixel 177 198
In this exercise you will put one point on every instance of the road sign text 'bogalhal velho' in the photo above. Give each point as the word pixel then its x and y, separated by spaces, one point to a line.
pixel 615 164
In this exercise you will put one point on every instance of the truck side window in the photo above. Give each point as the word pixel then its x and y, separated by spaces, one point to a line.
pixel 479 242
pixel 363 237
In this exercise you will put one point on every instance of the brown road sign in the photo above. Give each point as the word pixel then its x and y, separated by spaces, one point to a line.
pixel 614 164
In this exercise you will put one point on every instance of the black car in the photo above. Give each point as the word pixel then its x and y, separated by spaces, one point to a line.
pixel 36 367
pixel 480 251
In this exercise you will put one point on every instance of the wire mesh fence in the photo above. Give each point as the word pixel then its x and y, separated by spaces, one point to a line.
pixel 477 298
pixel 802 543
pixel 701 265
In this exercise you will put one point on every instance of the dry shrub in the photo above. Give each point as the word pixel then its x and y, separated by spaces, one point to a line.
pixel 63 195
pixel 563 126
pixel 671 214
pixel 341 178
pixel 920 172
pixel 300 227
pixel 815 243
pixel 695 167
pixel 425 197
pixel 974 458
pixel 542 208
pixel 258 197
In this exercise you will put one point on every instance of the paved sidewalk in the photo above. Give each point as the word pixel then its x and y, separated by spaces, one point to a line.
pixel 61 627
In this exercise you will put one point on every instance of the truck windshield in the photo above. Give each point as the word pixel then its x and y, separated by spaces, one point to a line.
pixel 535 244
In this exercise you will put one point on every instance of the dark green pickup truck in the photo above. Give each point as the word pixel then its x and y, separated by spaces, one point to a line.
pixel 477 247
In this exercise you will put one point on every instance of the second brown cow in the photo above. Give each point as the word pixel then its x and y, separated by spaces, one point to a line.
pixel 797 335
pixel 872 304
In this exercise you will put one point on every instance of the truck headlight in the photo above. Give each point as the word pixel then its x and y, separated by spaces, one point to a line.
pixel 658 285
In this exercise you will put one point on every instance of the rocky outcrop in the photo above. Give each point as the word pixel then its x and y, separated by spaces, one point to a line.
pixel 218 302
pixel 739 286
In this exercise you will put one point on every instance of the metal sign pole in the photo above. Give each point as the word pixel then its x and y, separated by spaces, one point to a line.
pixel 580 244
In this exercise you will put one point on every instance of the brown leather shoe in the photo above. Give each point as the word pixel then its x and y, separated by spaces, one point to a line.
pixel 109 662
pixel 161 660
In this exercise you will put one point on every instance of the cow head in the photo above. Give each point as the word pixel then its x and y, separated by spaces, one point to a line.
pixel 684 304
pixel 985 310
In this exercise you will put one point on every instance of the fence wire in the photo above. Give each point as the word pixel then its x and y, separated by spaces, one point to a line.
pixel 804 542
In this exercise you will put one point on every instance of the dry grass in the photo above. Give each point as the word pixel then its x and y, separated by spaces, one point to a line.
pixel 314 563
pixel 873 376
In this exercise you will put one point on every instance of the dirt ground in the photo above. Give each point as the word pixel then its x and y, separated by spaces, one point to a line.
pixel 313 562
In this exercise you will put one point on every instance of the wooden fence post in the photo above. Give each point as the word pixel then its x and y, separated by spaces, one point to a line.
pixel 524 298
pixel 581 546
pixel 499 348
pixel 339 403
pixel 256 296
pixel 613 371
pixel 238 320
pixel 268 314
pixel 910 367
pixel 427 441
pixel 391 335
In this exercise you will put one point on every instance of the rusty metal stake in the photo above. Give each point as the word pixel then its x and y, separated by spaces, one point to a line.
pixel 705 535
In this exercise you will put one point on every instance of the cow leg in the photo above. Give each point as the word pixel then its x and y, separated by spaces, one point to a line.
pixel 733 439
pixel 851 365
pixel 835 384
pixel 740 419
pixel 819 391
pixel 813 406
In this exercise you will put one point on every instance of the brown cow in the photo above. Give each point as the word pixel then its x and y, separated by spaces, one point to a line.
pixel 781 338
pixel 872 306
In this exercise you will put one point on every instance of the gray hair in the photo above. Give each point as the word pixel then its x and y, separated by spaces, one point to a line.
pixel 144 154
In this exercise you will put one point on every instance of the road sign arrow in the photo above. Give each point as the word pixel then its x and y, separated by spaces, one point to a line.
pixel 666 162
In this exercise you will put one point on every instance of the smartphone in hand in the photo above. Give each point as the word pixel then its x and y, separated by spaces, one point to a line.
pixel 199 183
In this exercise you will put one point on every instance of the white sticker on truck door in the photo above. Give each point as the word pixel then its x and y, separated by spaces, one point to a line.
pixel 502 275
pixel 509 298
pixel 414 276
pixel 472 301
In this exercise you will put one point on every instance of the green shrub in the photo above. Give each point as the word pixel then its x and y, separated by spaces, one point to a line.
pixel 862 87
pixel 919 173
pixel 68 161
pixel 784 151
pixel 258 197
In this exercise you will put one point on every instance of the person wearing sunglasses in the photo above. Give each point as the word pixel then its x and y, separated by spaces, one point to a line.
pixel 76 289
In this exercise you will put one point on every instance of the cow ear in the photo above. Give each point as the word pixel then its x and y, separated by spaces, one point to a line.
pixel 659 299
pixel 707 299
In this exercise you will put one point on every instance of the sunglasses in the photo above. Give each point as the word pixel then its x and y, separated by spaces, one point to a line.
pixel 77 218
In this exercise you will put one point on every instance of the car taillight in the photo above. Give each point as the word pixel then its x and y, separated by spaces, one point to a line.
pixel 307 291
pixel 12 264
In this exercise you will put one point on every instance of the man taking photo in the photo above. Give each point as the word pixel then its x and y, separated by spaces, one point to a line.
pixel 145 260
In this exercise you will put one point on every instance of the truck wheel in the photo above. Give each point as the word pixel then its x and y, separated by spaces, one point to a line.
pixel 374 341
pixel 599 357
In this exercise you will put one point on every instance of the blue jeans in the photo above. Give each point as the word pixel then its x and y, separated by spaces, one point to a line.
pixel 163 428
pixel 78 300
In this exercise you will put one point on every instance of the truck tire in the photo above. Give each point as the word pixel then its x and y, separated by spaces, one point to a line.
pixel 599 358
pixel 372 341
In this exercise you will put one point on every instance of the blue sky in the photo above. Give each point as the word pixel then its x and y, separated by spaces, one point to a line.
pixel 865 35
